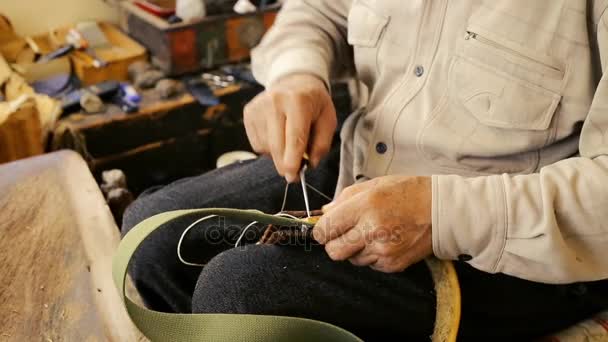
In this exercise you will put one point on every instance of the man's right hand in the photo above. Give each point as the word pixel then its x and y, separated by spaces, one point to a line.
pixel 293 116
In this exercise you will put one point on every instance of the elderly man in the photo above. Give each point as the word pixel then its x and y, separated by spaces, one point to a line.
pixel 484 140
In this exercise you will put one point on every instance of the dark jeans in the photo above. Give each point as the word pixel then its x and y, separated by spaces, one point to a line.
pixel 293 281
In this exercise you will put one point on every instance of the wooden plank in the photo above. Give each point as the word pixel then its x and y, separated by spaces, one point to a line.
pixel 58 237
pixel 149 106
pixel 20 131
pixel 112 135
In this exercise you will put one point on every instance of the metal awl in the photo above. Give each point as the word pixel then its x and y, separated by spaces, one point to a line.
pixel 304 186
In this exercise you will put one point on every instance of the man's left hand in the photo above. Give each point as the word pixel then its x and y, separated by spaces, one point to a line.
pixel 384 223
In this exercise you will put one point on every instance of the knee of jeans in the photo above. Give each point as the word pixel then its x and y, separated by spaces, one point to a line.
pixel 235 281
pixel 158 250
pixel 149 259
pixel 142 208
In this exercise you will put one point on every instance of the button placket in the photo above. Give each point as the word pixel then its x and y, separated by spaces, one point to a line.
pixel 409 86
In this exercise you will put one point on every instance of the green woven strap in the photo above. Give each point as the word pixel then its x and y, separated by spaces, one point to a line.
pixel 158 326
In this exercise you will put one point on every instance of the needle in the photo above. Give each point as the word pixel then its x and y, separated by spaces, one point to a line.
pixel 304 188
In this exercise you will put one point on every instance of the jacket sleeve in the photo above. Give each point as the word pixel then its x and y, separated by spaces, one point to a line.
pixel 549 227
pixel 308 36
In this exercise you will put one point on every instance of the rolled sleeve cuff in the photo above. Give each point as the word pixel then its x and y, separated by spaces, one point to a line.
pixel 470 219
pixel 294 61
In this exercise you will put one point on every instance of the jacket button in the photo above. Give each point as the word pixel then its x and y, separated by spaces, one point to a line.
pixel 419 71
pixel 464 257
pixel 381 148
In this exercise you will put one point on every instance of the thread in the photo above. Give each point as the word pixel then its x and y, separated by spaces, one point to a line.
pixel 238 241
pixel 179 244
pixel 281 214
pixel 319 192
pixel 284 198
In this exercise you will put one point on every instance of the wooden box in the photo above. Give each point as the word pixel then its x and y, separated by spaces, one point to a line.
pixel 203 44
pixel 119 55
pixel 121 52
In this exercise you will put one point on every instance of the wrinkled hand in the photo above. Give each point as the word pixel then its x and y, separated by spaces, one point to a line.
pixel 384 223
pixel 293 116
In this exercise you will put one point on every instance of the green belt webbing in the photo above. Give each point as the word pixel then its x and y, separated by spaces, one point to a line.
pixel 158 326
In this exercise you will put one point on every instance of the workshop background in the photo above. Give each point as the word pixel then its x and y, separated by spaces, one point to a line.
pixel 143 94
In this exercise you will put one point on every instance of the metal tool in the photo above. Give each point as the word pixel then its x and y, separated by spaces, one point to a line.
pixel 60 52
pixel 304 185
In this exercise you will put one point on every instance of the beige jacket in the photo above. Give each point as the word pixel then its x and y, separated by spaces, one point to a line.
pixel 502 101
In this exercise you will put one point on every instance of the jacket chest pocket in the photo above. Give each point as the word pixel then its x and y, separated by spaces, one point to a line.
pixel 498 110
pixel 365 29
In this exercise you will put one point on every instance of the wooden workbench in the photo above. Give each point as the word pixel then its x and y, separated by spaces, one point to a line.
pixel 57 237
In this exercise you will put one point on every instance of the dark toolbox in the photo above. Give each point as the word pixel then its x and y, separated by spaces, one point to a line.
pixel 163 141
pixel 180 48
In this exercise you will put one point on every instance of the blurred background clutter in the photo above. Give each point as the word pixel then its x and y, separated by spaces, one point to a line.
pixel 153 89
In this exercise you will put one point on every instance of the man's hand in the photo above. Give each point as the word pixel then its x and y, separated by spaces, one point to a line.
pixel 295 115
pixel 384 223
